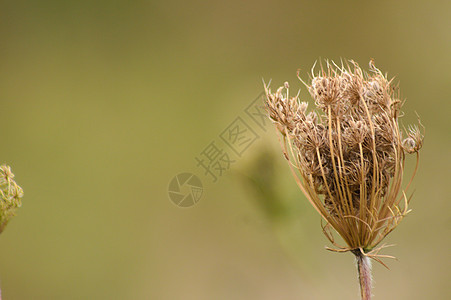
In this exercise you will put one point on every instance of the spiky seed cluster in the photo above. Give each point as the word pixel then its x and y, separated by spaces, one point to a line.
pixel 10 196
pixel 349 156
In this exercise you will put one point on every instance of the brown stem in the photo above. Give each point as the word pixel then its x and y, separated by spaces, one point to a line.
pixel 364 269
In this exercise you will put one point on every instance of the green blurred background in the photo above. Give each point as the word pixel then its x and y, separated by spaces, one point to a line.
pixel 103 102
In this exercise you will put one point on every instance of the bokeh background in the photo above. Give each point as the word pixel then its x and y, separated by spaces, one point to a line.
pixel 103 102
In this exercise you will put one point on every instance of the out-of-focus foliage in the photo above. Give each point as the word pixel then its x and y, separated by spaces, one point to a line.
pixel 10 196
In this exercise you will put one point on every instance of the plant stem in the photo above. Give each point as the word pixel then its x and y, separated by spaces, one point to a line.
pixel 364 269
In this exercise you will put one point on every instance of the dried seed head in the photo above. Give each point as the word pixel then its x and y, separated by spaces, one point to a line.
pixel 350 155
pixel 409 145
pixel 355 133
pixel 325 91
pixel 414 142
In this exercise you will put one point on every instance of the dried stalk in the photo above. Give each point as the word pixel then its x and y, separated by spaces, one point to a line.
pixel 364 270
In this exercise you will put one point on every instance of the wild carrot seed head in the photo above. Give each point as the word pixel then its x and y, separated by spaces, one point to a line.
pixel 349 158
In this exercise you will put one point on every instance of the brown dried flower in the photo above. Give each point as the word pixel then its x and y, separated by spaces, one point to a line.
pixel 348 159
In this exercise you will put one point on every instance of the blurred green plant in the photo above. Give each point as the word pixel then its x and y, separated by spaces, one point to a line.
pixel 260 178
pixel 10 196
